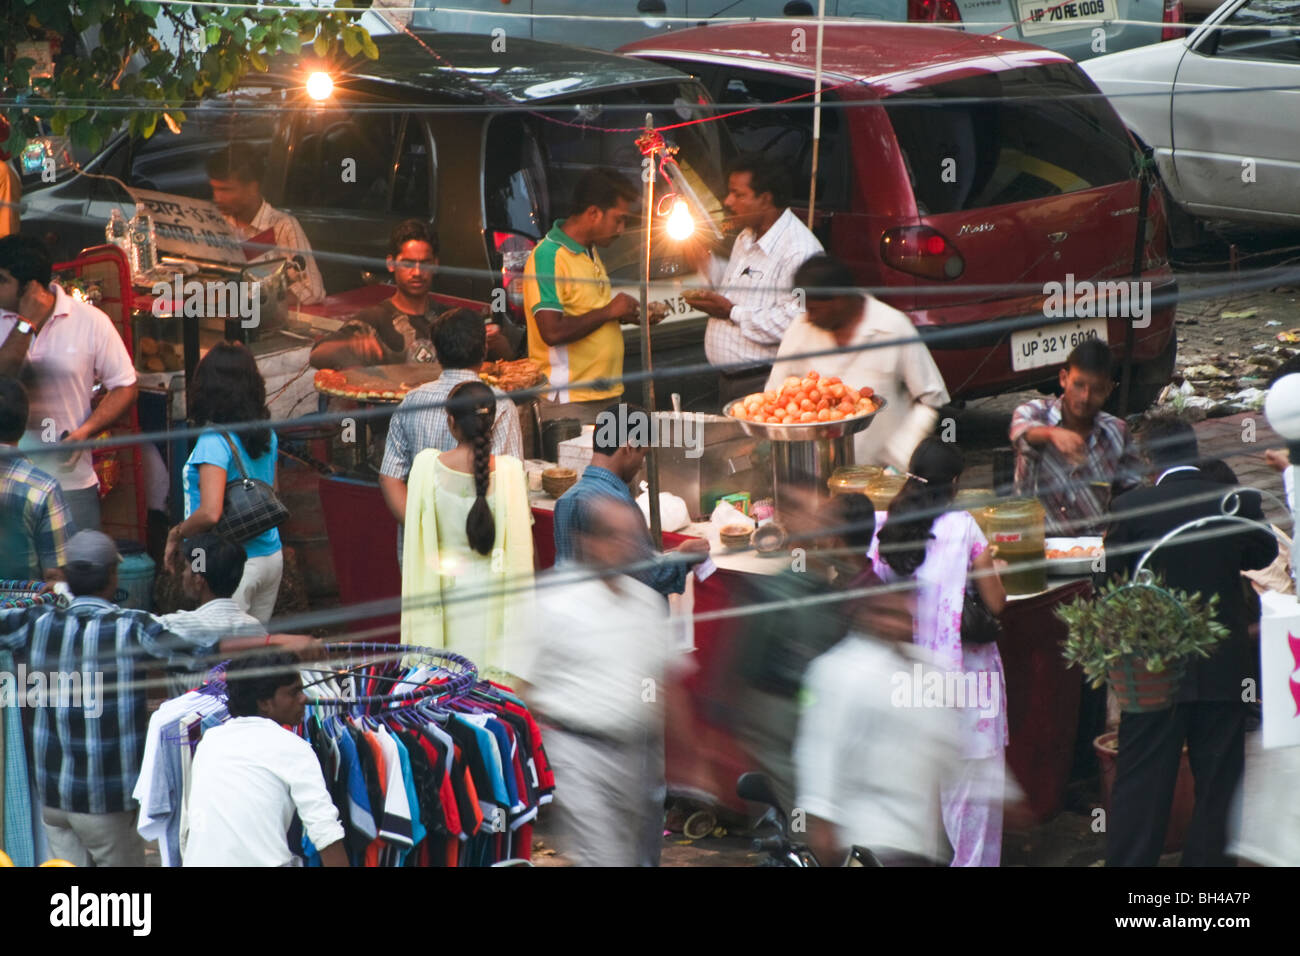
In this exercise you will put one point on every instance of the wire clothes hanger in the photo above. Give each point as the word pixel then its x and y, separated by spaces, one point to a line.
pixel 450 676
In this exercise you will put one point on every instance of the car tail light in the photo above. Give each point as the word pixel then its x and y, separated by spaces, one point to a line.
pixel 933 11
pixel 921 251
pixel 513 250
pixel 1173 15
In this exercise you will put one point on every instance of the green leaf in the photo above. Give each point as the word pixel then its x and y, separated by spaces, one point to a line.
pixel 212 35
pixel 368 44
pixel 351 43
pixel 290 43
pixel 148 124
pixel 258 61
pixel 321 45
pixel 58 123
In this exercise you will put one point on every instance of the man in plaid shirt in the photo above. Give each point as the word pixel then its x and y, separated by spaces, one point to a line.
pixel 89 727
pixel 421 420
pixel 37 522
pixel 1069 453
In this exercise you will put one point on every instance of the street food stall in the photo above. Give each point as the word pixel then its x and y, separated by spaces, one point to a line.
pixel 734 461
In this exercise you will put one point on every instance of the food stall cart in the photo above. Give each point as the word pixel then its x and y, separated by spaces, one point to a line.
pixel 703 755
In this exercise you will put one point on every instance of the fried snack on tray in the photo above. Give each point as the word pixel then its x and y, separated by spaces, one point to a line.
pixel 511 376
pixel 807 400
pixel 1078 551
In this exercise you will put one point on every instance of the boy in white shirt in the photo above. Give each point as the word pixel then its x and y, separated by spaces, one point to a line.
pixel 251 774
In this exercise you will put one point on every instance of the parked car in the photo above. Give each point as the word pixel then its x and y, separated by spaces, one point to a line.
pixel 1221 112
pixel 439 137
pixel 958 176
pixel 1066 26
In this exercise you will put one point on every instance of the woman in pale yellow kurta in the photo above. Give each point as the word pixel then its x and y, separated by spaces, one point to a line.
pixel 467 561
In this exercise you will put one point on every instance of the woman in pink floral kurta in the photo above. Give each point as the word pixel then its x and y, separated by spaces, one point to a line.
pixel 972 798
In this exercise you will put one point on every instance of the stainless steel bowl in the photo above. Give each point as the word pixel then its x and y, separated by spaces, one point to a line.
pixel 812 431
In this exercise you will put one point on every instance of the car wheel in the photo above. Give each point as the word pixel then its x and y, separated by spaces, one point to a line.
pixel 1148 380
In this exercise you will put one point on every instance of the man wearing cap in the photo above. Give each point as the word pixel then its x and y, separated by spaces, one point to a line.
pixel 87 743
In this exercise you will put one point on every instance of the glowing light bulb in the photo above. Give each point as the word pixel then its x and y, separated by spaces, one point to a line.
pixel 681 225
pixel 320 86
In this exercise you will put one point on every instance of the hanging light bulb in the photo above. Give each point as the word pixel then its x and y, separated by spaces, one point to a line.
pixel 319 86
pixel 681 225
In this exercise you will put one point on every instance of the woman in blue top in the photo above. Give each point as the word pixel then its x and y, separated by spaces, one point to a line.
pixel 228 389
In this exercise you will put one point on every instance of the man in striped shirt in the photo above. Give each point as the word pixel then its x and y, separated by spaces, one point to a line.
pixel 87 746
pixel 37 521
pixel 754 300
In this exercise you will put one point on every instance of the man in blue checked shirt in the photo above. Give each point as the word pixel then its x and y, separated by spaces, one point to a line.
pixel 89 727
pixel 615 461
pixel 38 522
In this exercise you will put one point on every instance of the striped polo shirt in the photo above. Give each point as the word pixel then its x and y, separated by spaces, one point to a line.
pixel 563 276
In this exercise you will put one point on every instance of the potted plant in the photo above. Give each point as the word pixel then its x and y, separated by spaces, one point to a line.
pixel 1139 637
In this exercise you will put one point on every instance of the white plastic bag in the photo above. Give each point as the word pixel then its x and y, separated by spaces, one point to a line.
pixel 672 510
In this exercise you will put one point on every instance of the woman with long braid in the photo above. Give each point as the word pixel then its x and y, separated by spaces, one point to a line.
pixel 467 570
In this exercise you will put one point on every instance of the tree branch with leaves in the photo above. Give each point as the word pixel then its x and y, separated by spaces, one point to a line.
pixel 125 63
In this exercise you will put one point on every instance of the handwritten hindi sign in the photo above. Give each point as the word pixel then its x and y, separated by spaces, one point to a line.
pixel 190 228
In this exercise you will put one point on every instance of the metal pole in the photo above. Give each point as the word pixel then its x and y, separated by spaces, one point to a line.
pixel 817 113
pixel 648 386
pixel 1139 240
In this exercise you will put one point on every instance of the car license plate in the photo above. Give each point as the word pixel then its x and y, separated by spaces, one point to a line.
pixel 670 295
pixel 1052 16
pixel 1049 345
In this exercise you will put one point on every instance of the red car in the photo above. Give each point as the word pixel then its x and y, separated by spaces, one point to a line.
pixel 966 179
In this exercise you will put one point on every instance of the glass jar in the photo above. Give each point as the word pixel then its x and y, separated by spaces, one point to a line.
pixel 1016 528
pixel 976 501
pixel 884 489
pixel 853 479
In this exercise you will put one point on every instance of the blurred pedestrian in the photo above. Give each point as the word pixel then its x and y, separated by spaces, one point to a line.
pixel 944 551
pixel 228 389
pixel 596 673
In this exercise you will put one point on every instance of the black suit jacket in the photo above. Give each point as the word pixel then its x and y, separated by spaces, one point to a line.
pixel 1210 565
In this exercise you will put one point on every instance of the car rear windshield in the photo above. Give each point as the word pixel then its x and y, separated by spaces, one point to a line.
pixel 1008 137
pixel 532 164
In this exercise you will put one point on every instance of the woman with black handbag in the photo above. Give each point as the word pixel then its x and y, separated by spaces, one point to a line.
pixel 229 477
pixel 959 597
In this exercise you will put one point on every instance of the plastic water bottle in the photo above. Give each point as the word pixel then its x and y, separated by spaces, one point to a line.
pixel 116 232
pixel 144 245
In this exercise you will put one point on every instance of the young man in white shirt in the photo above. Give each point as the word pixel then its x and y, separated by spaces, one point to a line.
pixel 753 302
pixel 235 176
pixel 251 774
pixel 878 347
pixel 59 347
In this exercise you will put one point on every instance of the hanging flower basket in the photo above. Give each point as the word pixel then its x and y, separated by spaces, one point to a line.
pixel 1139 690
pixel 1139 638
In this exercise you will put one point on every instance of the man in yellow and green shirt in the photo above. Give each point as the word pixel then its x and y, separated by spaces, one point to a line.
pixel 573 314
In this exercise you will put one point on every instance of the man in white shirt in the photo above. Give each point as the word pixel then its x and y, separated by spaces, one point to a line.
pixel 599 651
pixel 869 758
pixel 251 774
pixel 236 181
pixel 753 303
pixel 878 348
pixel 59 347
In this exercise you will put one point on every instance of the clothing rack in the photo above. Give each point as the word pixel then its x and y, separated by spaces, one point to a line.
pixel 456 675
